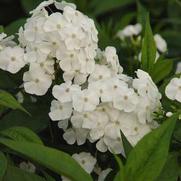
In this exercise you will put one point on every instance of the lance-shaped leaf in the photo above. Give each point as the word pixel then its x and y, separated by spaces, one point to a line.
pixel 162 68
pixel 120 175
pixel 3 165
pixel 9 101
pixel 147 159
pixel 21 134
pixel 148 52
pixel 171 169
pixel 16 174
pixel 1 29
pixel 55 160
pixel 126 144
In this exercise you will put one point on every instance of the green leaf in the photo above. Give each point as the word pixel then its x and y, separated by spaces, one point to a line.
pixel 48 177
pixel 120 175
pixel 37 121
pixel 9 101
pixel 141 14
pixel 16 174
pixel 147 159
pixel 101 7
pixel 170 171
pixel 3 165
pixel 55 160
pixel 126 144
pixel 29 5
pixel 13 27
pixel 1 29
pixel 148 52
pixel 162 68
pixel 21 134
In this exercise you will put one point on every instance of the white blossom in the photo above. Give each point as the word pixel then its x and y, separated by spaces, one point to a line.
pixel 75 135
pixel 85 160
pixel 36 81
pixel 173 89
pixel 178 69
pixel 27 166
pixel 60 111
pixel 65 91
pixel 161 44
pixel 85 100
pixel 129 31
pixel 126 100
pixel 12 59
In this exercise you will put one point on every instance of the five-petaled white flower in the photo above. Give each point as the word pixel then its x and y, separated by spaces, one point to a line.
pixel 173 89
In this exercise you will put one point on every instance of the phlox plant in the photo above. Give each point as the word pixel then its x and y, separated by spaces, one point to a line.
pixel 76 112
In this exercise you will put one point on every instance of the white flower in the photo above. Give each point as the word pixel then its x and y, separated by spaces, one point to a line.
pixel 145 110
pixel 12 59
pixel 145 86
pixel 20 97
pixel 75 135
pixel 40 58
pixel 86 160
pixel 55 22
pixel 68 60
pixel 102 88
pixel 41 6
pixel 169 114
pixel 65 91
pixel 96 124
pixel 131 128
pixel 173 89
pixel 126 100
pixel 178 69
pixel 85 100
pixel 6 41
pixel 100 72
pixel 63 124
pixel 60 111
pixel 27 166
pixel 36 81
pixel 61 5
pixel 2 36
pixel 104 174
pixel 129 31
pixel 75 76
pixel 33 30
pixel 112 58
pixel 161 44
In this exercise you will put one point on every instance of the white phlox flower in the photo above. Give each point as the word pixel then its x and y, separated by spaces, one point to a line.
pixel 173 89
pixel 161 44
pixel 178 68
pixel 6 41
pixel 36 81
pixel 27 166
pixel 60 111
pixel 12 59
pixel 85 160
pixel 129 31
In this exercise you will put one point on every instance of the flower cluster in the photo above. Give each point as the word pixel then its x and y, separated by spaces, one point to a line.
pixel 95 100
pixel 65 40
pixel 105 104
